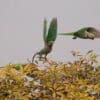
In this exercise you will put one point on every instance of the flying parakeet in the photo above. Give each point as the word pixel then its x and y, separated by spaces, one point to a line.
pixel 49 37
pixel 84 33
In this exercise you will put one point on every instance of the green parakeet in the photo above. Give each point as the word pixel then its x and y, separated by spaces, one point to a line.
pixel 49 37
pixel 84 33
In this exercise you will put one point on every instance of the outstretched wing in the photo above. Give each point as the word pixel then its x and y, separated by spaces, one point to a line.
pixel 52 31
pixel 45 30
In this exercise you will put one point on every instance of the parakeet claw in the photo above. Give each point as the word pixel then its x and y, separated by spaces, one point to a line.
pixel 74 37
pixel 40 58
pixel 34 57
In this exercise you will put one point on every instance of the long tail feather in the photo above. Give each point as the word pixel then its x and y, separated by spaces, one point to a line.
pixel 45 29
pixel 72 33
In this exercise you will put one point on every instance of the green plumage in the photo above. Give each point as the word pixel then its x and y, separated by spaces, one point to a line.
pixel 49 38
pixel 80 32
pixel 52 31
pixel 45 30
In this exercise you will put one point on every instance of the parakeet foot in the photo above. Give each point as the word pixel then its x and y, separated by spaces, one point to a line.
pixel 34 57
pixel 74 37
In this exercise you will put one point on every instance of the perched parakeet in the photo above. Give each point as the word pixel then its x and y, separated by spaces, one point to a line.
pixel 49 37
pixel 84 33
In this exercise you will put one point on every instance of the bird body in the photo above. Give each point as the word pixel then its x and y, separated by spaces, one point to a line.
pixel 44 52
pixel 49 38
pixel 84 33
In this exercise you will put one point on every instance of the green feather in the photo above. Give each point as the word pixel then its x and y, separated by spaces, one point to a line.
pixel 71 33
pixel 78 33
pixel 45 29
pixel 52 31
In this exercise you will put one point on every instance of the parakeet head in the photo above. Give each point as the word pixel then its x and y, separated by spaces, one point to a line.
pixel 91 36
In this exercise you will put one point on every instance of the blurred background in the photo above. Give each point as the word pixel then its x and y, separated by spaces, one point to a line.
pixel 21 26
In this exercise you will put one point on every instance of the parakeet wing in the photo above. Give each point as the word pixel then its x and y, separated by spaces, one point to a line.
pixel 52 31
pixel 45 30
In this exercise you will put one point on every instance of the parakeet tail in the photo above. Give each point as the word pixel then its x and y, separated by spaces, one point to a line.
pixel 72 33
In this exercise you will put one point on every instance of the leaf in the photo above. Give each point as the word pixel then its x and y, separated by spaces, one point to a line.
pixel 57 81
pixel 90 51
pixel 17 66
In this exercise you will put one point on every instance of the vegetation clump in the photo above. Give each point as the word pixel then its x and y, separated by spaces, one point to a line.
pixel 76 80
